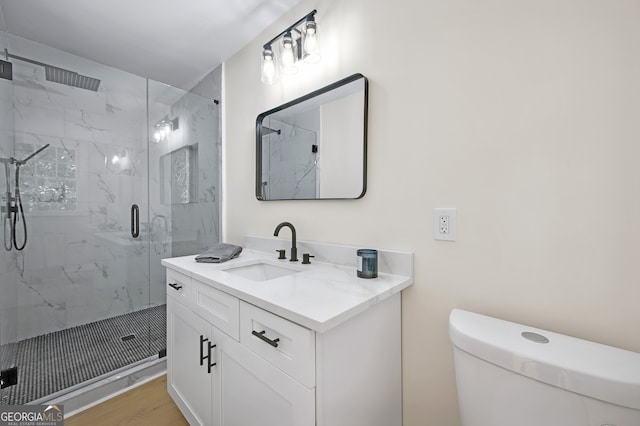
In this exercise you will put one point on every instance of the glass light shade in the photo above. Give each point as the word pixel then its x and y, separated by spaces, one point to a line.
pixel 268 67
pixel 288 59
pixel 311 50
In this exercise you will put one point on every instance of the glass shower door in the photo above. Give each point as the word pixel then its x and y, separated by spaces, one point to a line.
pixel 104 202
pixel 8 270
pixel 78 293
pixel 184 159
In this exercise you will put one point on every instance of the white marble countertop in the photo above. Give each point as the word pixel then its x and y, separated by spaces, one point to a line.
pixel 320 296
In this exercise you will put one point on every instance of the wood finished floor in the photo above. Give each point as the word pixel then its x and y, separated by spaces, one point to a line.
pixel 148 404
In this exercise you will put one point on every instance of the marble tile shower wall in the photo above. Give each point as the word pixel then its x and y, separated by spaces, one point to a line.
pixel 292 164
pixel 74 269
pixel 80 265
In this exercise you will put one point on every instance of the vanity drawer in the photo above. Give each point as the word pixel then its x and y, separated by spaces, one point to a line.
pixel 178 285
pixel 283 343
pixel 217 307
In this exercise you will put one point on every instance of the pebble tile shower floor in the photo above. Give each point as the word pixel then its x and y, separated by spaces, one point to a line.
pixel 55 361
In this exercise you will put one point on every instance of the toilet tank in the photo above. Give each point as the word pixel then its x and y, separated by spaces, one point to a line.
pixel 510 374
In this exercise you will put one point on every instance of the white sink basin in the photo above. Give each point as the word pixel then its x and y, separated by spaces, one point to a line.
pixel 261 271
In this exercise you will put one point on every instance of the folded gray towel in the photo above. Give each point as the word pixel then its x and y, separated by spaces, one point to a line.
pixel 220 252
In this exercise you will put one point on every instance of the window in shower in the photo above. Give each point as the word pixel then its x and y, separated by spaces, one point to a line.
pixel 49 183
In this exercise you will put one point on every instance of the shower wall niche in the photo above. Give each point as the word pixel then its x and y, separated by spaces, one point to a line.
pixel 81 264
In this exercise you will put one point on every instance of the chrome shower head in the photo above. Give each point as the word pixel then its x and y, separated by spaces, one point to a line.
pixel 61 75
pixel 70 78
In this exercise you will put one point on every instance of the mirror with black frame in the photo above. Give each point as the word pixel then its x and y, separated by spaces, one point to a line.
pixel 315 147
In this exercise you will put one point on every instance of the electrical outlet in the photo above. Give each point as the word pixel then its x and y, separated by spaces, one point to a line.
pixel 444 224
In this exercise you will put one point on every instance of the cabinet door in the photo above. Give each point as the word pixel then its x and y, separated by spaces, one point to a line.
pixel 189 383
pixel 255 393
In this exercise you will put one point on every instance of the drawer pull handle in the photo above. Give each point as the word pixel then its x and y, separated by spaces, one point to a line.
pixel 175 286
pixel 264 338
pixel 208 356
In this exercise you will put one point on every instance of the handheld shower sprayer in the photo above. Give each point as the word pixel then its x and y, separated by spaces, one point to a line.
pixel 14 203
pixel 23 162
pixel 8 207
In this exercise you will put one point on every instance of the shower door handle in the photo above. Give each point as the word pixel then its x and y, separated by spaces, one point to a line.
pixel 135 221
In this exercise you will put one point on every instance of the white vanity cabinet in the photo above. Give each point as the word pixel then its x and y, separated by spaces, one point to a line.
pixel 190 384
pixel 208 370
pixel 254 392
pixel 233 362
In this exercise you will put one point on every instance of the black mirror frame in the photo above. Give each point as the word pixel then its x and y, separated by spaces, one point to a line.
pixel 301 99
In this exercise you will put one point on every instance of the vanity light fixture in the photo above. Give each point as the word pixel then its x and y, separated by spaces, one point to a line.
pixel 268 66
pixel 310 49
pixel 299 41
pixel 288 60
pixel 163 129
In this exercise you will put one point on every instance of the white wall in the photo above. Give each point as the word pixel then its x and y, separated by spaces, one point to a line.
pixel 523 115
pixel 341 166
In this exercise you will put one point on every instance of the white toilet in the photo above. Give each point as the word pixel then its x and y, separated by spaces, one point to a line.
pixel 510 374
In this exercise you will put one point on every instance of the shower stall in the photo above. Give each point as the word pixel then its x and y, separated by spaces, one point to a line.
pixel 103 173
pixel 290 160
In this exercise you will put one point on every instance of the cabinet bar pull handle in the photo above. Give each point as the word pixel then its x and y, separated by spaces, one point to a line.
pixel 264 338
pixel 209 364
pixel 175 286
pixel 202 357
pixel 208 355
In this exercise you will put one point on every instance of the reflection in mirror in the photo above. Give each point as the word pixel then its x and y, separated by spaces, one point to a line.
pixel 314 147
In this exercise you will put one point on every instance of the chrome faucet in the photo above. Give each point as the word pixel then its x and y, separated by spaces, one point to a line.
pixel 294 249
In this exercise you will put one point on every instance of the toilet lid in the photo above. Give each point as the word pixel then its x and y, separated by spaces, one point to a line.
pixel 599 371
